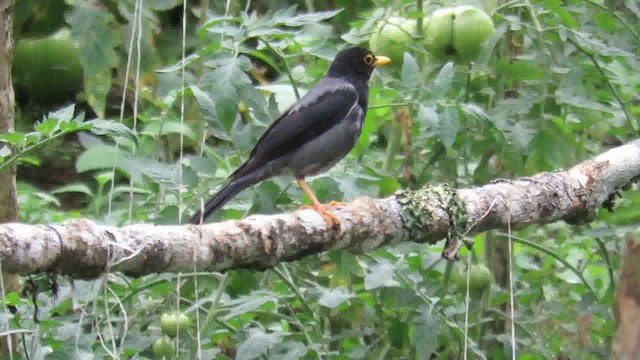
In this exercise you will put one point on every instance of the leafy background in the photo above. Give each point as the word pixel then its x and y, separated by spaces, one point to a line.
pixel 557 82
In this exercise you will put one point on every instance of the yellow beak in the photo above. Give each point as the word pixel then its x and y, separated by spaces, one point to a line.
pixel 381 60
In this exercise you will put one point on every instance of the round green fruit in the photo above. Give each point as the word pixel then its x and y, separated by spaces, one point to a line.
pixel 47 70
pixel 438 34
pixel 480 279
pixel 457 33
pixel 472 28
pixel 391 38
pixel 164 348
pixel 172 323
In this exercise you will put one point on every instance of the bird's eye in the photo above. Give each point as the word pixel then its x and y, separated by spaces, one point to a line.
pixel 369 59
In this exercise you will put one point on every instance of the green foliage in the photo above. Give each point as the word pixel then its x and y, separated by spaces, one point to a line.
pixel 555 83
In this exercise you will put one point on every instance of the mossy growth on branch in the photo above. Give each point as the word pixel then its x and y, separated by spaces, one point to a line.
pixel 418 207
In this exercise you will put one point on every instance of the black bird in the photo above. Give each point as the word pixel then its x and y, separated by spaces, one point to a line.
pixel 312 135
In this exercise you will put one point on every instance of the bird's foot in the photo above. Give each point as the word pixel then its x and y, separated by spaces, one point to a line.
pixel 329 217
pixel 340 204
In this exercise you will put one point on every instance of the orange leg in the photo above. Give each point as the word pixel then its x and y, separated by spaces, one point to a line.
pixel 338 204
pixel 329 217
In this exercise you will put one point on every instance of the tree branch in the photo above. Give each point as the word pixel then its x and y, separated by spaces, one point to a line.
pixel 82 249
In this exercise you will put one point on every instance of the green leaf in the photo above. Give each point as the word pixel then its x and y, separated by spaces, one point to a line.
pixel 100 157
pixel 566 96
pixel 209 113
pixel 112 129
pixel 91 27
pixel 161 128
pixel 410 74
pixel 428 116
pixel 47 126
pixel 449 125
pixel 308 18
pixel 248 303
pixel 589 42
pixel 14 138
pixel 425 336
pixel 379 274
pixel 332 298
pixel 257 344
pixel 64 114
pixel 162 5
pixel 442 82
pixel 474 111
pixel 97 87
pixel 74 188
pixel 4 151
pixel 520 69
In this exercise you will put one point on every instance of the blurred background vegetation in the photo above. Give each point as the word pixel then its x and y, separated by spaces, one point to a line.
pixel 533 85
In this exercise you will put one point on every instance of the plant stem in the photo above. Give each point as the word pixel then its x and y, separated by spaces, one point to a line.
pixel 420 20
pixel 286 66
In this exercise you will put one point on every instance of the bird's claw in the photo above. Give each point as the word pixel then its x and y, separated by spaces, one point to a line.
pixel 336 204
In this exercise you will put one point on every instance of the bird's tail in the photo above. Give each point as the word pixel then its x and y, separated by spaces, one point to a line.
pixel 249 174
pixel 231 189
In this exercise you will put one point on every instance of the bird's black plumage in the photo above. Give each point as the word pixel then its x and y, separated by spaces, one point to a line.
pixel 313 134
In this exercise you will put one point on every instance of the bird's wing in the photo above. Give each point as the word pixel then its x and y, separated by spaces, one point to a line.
pixel 326 104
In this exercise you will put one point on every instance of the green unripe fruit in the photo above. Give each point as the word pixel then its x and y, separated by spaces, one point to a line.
pixel 391 38
pixel 47 70
pixel 172 323
pixel 164 348
pixel 480 279
pixel 472 28
pixel 457 33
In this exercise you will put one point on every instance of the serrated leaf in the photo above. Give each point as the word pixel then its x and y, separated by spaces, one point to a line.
pixel 97 86
pixel 247 304
pixel 410 71
pixel 64 114
pixel 566 96
pixel 310 18
pixel 162 5
pixel 202 165
pixel 425 336
pixel 157 171
pixel 4 151
pixel 428 116
pixel 449 126
pixel 332 298
pixel 520 70
pixel 179 65
pixel 257 344
pixel 589 42
pixel 112 129
pixel 209 113
pixel 474 111
pixel 99 157
pixel 14 138
pixel 160 128
pixel 288 350
pixel 442 82
pixel 97 39
pixel 379 274
pixel 74 188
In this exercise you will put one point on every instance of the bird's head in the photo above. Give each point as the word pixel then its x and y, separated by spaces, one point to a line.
pixel 356 62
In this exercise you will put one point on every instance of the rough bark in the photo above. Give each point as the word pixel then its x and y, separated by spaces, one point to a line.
pixel 82 249
pixel 627 304
pixel 8 196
